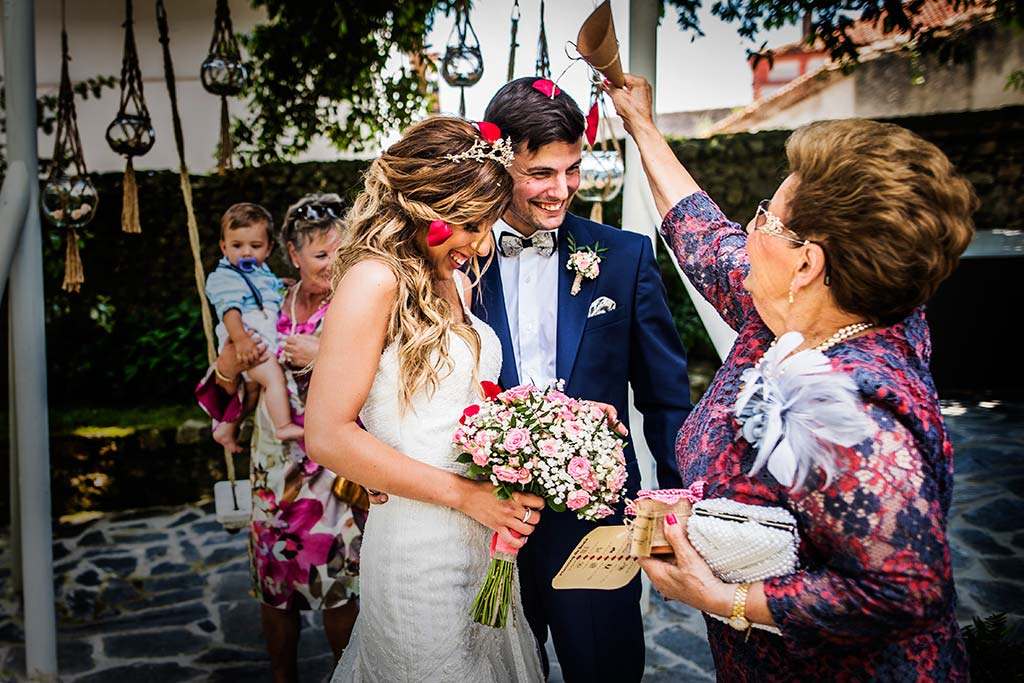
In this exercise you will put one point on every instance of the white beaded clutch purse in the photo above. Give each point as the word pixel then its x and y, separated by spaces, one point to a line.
pixel 744 543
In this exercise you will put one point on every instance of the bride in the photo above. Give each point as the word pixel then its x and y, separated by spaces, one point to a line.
pixel 401 351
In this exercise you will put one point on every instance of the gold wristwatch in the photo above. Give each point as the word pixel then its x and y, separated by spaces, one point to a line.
pixel 738 619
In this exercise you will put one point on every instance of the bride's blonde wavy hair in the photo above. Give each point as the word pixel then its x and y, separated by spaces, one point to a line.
pixel 407 187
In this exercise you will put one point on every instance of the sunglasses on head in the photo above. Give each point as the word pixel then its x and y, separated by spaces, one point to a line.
pixel 316 211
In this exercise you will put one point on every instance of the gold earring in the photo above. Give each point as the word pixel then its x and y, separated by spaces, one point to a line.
pixel 790 294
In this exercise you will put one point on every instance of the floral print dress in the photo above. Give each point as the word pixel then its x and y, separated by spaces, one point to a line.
pixel 873 598
pixel 303 541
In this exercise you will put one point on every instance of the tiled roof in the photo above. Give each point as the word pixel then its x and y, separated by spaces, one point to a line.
pixel 932 14
pixel 873 40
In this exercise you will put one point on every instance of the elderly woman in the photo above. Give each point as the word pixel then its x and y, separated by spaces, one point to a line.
pixel 846 253
pixel 304 541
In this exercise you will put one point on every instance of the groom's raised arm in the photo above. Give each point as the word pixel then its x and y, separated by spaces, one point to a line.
pixel 657 368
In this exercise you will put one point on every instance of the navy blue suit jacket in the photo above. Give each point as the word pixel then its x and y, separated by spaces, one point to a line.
pixel 598 635
pixel 597 357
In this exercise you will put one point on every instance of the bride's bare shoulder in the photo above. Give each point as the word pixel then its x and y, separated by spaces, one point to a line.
pixel 370 277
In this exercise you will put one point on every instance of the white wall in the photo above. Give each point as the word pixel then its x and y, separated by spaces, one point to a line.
pixel 836 101
pixel 96 42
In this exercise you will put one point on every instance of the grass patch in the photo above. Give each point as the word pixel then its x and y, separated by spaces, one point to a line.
pixel 112 422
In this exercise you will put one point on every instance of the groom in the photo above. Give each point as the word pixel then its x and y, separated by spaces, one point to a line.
pixel 615 331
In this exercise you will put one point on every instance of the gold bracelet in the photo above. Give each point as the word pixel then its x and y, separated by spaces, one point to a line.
pixel 224 378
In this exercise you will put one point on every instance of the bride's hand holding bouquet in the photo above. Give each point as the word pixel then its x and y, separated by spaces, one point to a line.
pixel 527 440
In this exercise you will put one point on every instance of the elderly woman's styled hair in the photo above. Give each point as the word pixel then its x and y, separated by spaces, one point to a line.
pixel 888 208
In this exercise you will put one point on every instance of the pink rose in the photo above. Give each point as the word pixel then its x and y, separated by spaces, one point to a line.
pixel 549 448
pixel 572 428
pixel 506 474
pixel 555 396
pixel 603 511
pixel 577 500
pixel 579 468
pixel 520 393
pixel 567 415
pixel 589 482
pixel 516 439
pixel 479 457
pixel 524 475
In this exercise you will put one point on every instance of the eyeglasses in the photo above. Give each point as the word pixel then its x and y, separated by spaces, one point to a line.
pixel 316 211
pixel 768 223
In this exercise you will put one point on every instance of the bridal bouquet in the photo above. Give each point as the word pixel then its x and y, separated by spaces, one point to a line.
pixel 543 442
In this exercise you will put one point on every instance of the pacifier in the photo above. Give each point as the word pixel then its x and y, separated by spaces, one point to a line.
pixel 247 264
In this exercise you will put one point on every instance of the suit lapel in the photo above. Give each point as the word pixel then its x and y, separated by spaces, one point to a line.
pixel 572 310
pixel 494 314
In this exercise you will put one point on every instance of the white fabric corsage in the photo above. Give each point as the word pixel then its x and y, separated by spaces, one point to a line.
pixel 798 412
pixel 585 261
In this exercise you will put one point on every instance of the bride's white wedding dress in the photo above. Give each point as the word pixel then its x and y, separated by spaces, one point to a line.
pixel 421 565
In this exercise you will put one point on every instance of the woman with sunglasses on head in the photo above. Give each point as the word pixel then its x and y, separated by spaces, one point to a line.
pixel 836 267
pixel 306 524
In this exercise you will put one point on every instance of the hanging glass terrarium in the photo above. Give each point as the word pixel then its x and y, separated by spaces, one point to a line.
pixel 224 74
pixel 602 169
pixel 601 175
pixel 68 199
pixel 131 133
pixel 463 62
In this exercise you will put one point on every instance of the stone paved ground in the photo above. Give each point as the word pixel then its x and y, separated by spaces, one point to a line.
pixel 160 595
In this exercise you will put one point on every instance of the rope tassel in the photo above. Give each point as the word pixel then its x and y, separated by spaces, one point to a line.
pixel 226 148
pixel 74 274
pixel 130 202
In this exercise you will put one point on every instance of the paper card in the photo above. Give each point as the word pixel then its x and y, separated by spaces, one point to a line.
pixel 601 560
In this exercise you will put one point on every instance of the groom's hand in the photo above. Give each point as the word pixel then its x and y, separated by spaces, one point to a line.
pixel 613 417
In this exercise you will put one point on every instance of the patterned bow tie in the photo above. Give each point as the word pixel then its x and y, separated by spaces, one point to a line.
pixel 544 241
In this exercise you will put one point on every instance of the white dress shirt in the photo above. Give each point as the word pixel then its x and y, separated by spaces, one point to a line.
pixel 530 285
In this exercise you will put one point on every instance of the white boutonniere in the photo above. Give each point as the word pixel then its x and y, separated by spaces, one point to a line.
pixel 585 262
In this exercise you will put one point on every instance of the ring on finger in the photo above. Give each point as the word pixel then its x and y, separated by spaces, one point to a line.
pixel 527 515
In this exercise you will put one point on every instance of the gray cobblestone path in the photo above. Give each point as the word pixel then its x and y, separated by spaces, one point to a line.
pixel 161 595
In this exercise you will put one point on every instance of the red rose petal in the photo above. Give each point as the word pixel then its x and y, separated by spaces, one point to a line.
pixel 491 391
pixel 546 86
pixel 591 131
pixel 489 131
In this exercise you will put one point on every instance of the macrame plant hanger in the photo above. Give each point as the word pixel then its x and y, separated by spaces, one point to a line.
pixel 223 73
pixel 543 69
pixel 193 239
pixel 512 42
pixel 131 132
pixel 68 200
pixel 601 167
pixel 463 62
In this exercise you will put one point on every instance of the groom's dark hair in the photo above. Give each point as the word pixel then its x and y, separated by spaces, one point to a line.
pixel 531 118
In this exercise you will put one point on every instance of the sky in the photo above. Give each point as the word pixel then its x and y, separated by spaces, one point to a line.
pixel 705 73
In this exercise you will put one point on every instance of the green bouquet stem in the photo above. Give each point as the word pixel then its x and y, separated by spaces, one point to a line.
pixel 492 602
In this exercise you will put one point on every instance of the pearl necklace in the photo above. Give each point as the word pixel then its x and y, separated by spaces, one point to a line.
pixel 841 335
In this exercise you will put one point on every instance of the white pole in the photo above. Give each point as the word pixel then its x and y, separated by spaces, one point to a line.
pixel 28 352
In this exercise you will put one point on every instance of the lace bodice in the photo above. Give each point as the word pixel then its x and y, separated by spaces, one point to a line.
pixel 424 429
